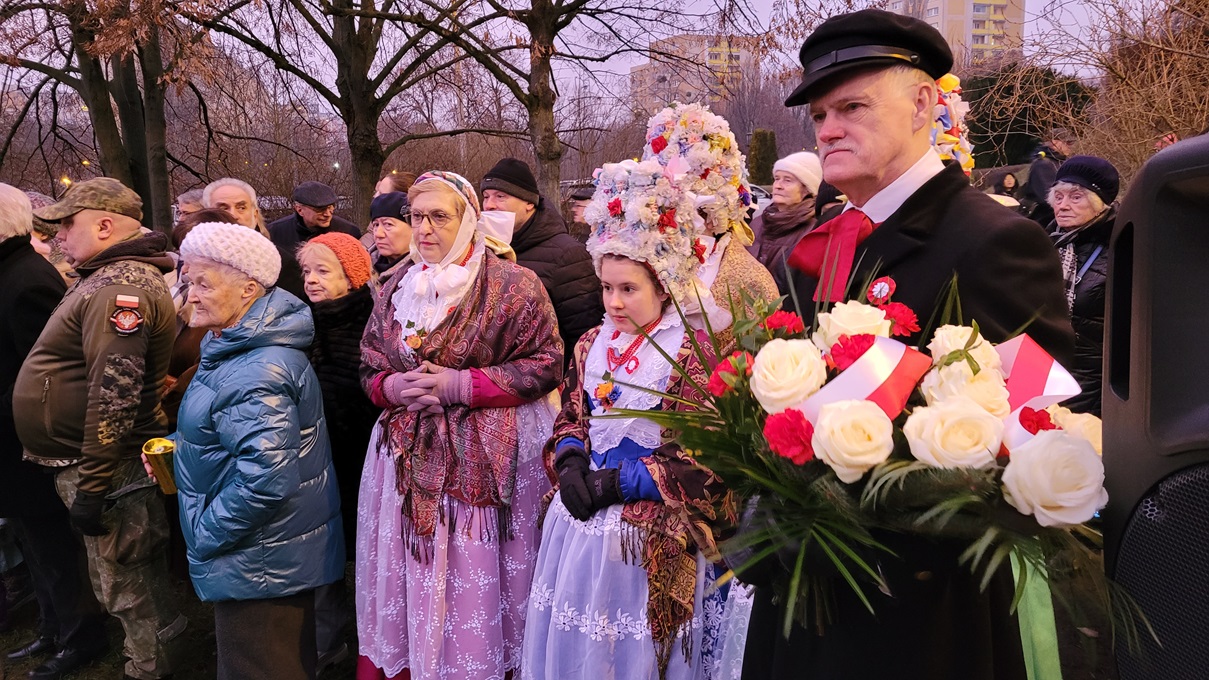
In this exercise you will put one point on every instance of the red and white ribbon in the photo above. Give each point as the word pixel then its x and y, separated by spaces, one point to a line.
pixel 1034 380
pixel 886 375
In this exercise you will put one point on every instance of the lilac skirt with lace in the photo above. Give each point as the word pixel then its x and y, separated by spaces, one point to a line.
pixel 587 612
pixel 460 614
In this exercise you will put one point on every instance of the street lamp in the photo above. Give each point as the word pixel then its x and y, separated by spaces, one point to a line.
pixel 65 181
pixel 336 166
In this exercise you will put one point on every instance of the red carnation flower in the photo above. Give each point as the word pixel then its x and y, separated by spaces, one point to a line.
pixel 699 251
pixel 729 366
pixel 705 175
pixel 781 319
pixel 667 221
pixel 881 290
pixel 615 207
pixel 1034 421
pixel 845 352
pixel 658 144
pixel 788 434
pixel 902 320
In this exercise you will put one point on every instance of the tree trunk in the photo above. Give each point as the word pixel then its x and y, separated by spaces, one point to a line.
pixel 113 159
pixel 359 107
pixel 150 60
pixel 130 112
pixel 547 149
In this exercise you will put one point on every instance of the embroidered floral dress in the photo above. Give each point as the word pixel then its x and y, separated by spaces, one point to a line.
pixel 449 502
pixel 628 593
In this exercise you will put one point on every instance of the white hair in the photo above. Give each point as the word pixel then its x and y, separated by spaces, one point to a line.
pixel 1097 203
pixel 16 213
pixel 192 196
pixel 208 192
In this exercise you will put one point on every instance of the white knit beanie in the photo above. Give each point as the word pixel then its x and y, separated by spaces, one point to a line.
pixel 235 246
pixel 805 166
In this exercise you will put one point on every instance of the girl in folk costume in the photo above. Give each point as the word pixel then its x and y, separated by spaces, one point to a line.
pixel 701 156
pixel 623 584
pixel 461 350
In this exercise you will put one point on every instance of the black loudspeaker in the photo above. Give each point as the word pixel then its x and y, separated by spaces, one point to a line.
pixel 1156 411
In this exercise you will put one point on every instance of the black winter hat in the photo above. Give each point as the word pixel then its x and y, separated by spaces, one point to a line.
pixel 390 204
pixel 514 178
pixel 869 37
pixel 315 194
pixel 1092 173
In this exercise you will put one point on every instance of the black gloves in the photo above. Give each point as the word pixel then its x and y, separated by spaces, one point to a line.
pixel 572 468
pixel 86 513
pixel 604 487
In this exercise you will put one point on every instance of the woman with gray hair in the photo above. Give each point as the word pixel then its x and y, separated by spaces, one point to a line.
pixel 259 507
pixel 1082 198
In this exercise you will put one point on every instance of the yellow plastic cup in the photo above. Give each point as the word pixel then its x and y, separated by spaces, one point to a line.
pixel 159 454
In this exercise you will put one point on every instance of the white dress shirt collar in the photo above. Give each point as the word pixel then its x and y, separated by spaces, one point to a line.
pixel 886 202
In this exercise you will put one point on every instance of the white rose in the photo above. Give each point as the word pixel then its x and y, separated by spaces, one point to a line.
pixel 785 373
pixel 956 432
pixel 850 318
pixel 852 436
pixel 987 389
pixel 1082 425
pixel 951 338
pixel 1057 478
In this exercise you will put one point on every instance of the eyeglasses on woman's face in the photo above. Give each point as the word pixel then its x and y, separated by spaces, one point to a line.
pixel 438 218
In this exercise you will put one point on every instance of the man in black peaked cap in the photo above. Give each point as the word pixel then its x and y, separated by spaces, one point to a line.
pixel 869 80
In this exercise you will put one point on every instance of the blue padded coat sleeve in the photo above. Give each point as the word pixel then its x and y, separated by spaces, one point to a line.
pixel 257 424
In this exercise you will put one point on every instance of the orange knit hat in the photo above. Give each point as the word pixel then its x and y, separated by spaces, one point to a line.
pixel 353 256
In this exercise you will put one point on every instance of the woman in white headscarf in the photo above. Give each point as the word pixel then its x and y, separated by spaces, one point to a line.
pixel 461 350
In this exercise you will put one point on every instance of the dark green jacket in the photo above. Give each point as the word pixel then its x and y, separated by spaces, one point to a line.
pixel 89 392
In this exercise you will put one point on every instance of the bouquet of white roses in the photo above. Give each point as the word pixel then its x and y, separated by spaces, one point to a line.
pixel 843 431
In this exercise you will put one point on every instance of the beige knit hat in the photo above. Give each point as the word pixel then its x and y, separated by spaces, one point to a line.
pixel 235 246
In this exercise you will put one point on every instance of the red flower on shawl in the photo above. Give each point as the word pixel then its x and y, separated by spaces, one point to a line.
pixel 729 366
pixel 845 352
pixel 658 144
pixel 781 319
pixel 615 207
pixel 902 320
pixel 1034 421
pixel 788 434
pixel 667 221
pixel 880 290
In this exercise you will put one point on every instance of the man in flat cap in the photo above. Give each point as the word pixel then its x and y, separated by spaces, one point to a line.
pixel 314 214
pixel 869 80
pixel 88 397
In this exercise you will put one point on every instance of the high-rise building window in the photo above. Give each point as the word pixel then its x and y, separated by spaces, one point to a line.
pixel 933 11
pixel 979 25
pixel 980 39
pixel 981 8
pixel 896 5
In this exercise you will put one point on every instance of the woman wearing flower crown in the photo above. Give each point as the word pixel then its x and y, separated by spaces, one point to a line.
pixel 622 584
pixel 700 155
pixel 461 349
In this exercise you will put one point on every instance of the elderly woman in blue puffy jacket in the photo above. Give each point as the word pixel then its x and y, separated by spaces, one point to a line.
pixel 260 510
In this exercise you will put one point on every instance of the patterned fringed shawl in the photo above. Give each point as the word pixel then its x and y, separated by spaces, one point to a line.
pixel 697 507
pixel 505 326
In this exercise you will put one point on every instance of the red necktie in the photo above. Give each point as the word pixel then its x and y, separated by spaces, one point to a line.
pixel 827 253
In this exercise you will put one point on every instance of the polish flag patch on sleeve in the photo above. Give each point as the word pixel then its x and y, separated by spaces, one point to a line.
pixel 128 301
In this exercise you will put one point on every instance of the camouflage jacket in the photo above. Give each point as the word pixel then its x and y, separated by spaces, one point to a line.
pixel 89 392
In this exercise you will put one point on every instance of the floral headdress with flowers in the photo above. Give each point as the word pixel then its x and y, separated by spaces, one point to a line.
pixel 701 154
pixel 950 136
pixel 639 213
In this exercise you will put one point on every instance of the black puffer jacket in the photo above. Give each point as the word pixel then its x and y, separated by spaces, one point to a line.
pixel 1088 314
pixel 336 357
pixel 565 268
